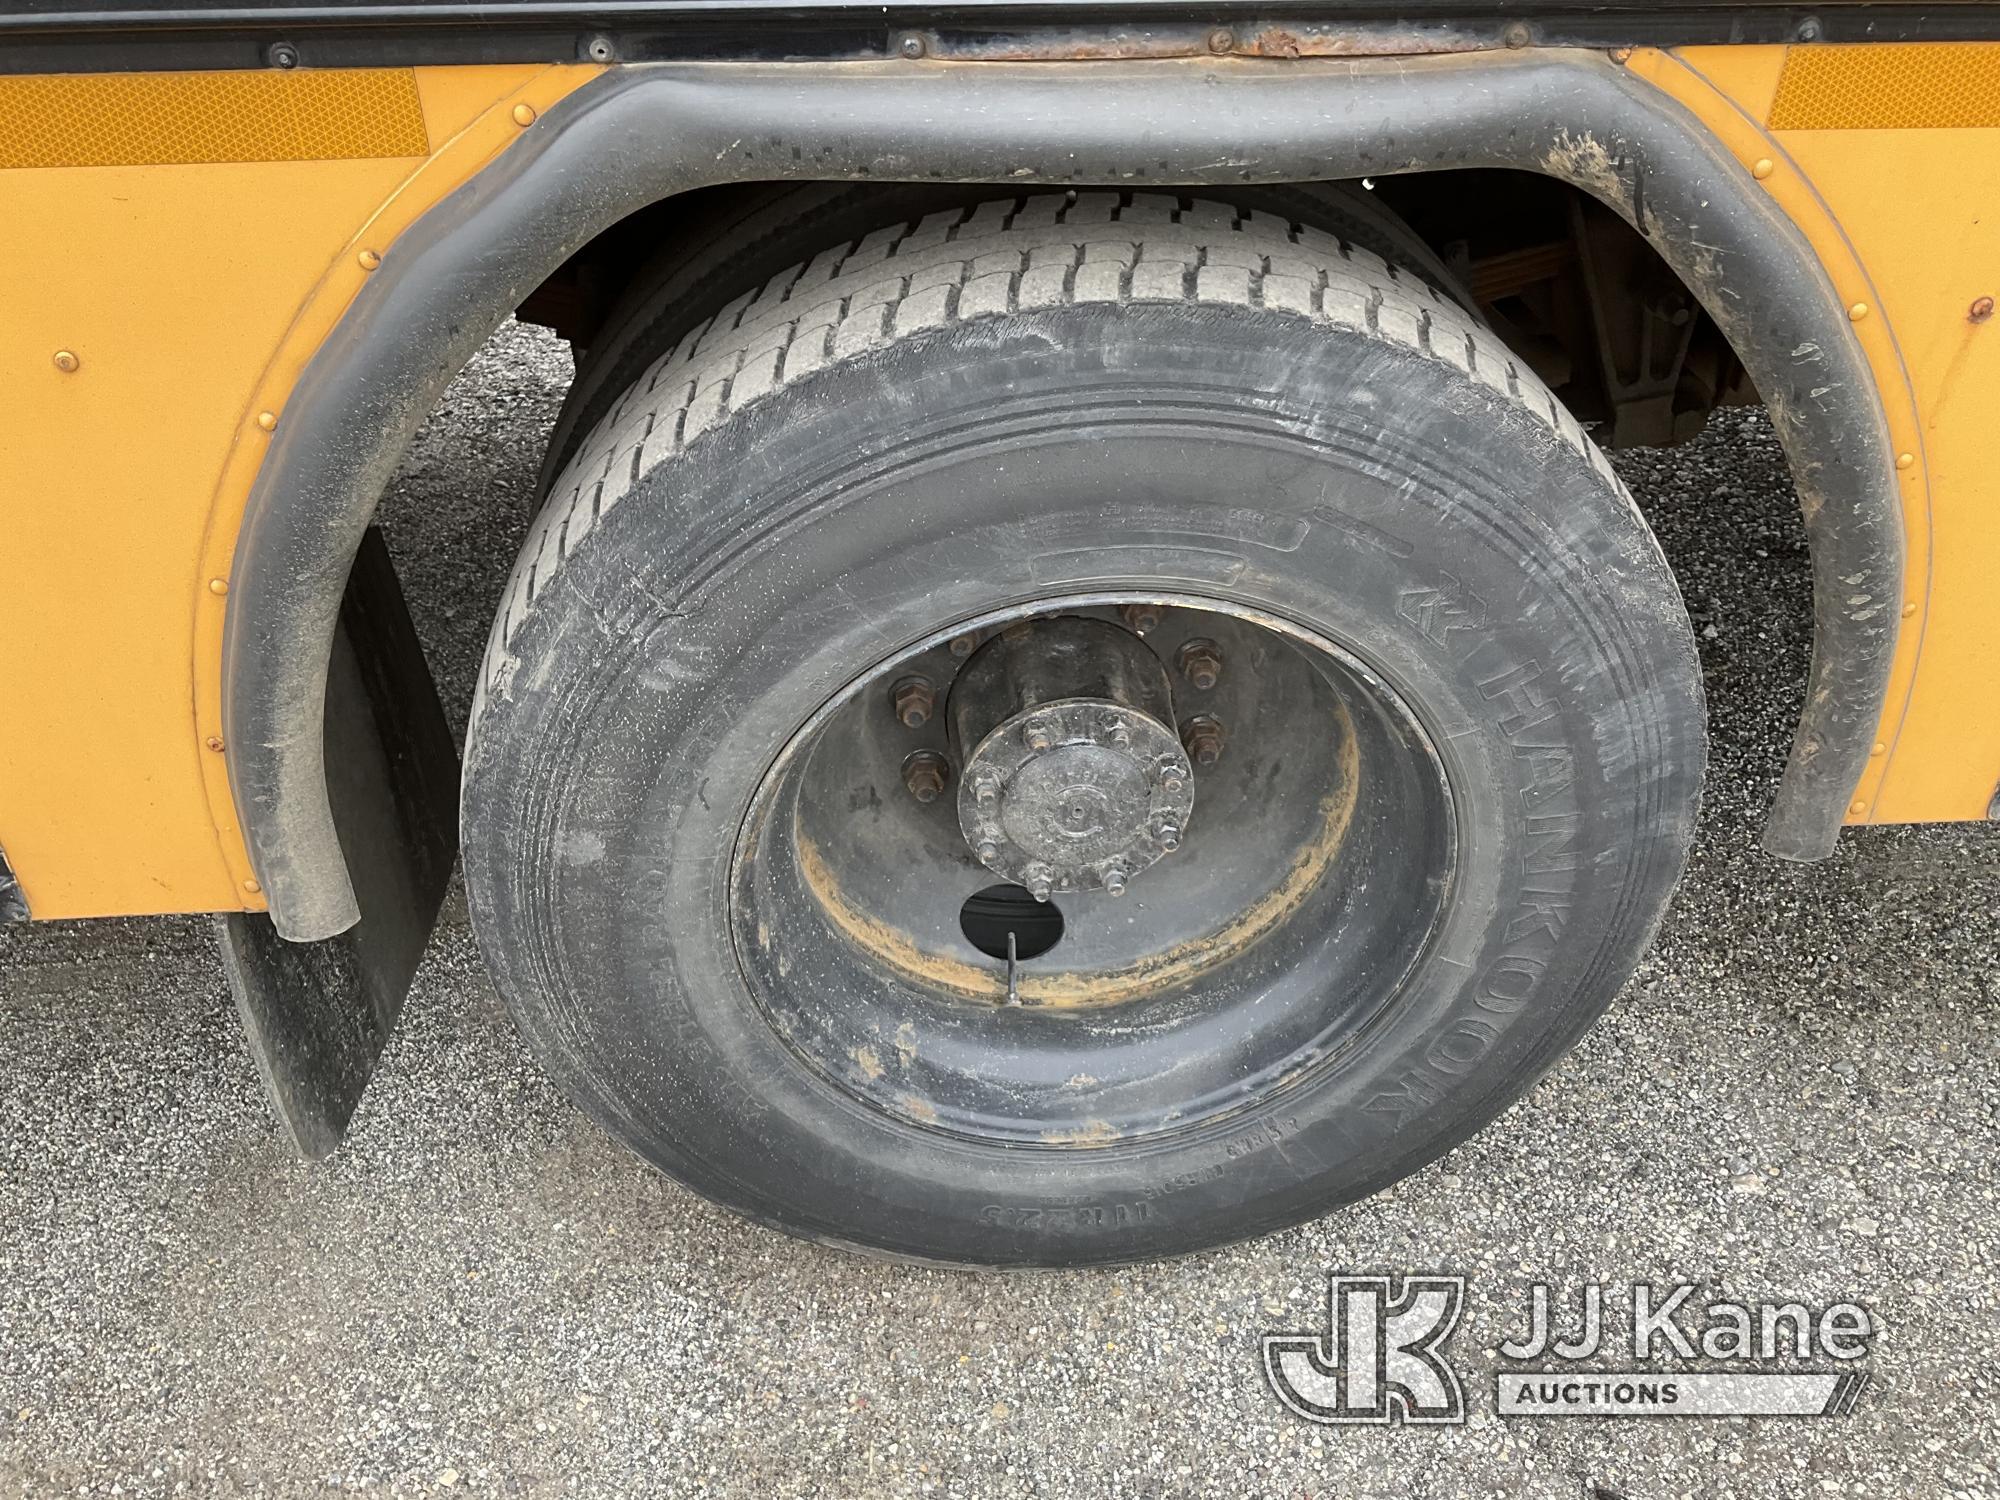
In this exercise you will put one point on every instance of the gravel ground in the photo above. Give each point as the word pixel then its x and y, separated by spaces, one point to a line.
pixel 1794 1098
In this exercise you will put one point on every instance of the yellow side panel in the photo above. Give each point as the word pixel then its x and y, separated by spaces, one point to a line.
pixel 148 315
pixel 1916 201
pixel 156 308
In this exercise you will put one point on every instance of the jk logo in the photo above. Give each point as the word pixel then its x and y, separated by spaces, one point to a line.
pixel 1381 1358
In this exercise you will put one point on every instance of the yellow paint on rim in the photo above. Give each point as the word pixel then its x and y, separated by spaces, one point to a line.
pixel 1067 989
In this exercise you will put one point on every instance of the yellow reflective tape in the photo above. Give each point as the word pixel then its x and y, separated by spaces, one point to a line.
pixel 179 119
pixel 1889 86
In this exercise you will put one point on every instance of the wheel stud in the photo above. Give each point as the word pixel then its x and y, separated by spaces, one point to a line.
pixel 989 850
pixel 1040 734
pixel 1168 837
pixel 915 700
pixel 1201 663
pixel 925 775
pixel 1038 882
pixel 1140 618
pixel 1203 735
pixel 1114 880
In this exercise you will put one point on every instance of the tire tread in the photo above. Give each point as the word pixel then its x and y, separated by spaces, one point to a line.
pixel 994 259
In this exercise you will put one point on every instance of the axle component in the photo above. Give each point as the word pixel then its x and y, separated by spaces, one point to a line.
pixel 1074 779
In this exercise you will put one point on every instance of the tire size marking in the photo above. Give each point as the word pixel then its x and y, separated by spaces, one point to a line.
pixel 1076 1217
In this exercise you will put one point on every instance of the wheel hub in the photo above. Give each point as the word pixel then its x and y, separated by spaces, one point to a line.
pixel 1074 780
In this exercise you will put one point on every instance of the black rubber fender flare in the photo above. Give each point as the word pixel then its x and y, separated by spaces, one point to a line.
pixel 641 134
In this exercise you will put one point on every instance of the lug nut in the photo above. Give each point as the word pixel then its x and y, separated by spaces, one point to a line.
pixel 1168 837
pixel 1140 618
pixel 1114 880
pixel 989 850
pixel 1201 661
pixel 1171 775
pixel 915 700
pixel 1203 736
pixel 1038 882
pixel 1117 731
pixel 1040 734
pixel 925 774
pixel 987 793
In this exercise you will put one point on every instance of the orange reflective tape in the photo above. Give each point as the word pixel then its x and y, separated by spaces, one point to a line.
pixel 180 119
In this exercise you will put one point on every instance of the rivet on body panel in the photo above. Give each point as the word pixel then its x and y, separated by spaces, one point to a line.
pixel 524 115
pixel 214 742
pixel 369 260
pixel 1908 610
pixel 1905 460
pixel 1857 807
pixel 1857 312
pixel 218 585
pixel 1763 167
pixel 1980 311
pixel 252 887
pixel 267 420
pixel 67 362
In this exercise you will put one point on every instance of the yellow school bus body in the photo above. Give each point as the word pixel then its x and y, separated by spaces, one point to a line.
pixel 175 248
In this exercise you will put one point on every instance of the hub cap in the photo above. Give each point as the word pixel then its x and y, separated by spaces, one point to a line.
pixel 1069 793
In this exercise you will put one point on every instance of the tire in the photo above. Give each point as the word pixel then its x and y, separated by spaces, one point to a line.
pixel 1081 396
pixel 756 231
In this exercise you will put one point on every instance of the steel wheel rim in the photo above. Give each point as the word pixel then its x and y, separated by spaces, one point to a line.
pixel 911 1022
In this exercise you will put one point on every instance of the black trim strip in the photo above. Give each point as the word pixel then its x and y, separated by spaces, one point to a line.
pixel 41 15
pixel 43 36
pixel 638 135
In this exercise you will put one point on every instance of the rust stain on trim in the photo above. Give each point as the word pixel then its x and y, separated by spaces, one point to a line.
pixel 1261 40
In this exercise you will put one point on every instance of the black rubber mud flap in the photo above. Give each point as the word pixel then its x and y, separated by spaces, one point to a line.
pixel 13 905
pixel 317 1014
